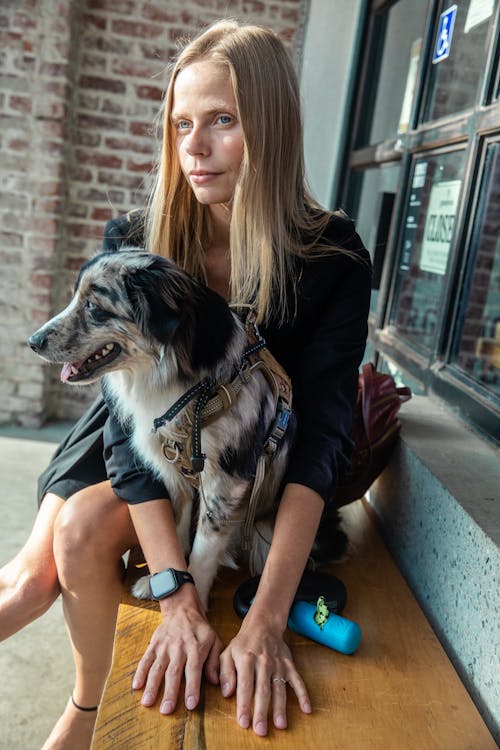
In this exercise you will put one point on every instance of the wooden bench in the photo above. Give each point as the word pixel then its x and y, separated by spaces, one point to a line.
pixel 399 691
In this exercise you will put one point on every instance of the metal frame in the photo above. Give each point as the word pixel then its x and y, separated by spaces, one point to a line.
pixel 471 130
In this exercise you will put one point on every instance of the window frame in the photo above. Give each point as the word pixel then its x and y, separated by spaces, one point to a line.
pixel 471 131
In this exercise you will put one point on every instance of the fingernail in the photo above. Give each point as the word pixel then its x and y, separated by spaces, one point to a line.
pixel 280 722
pixel 306 707
pixel 190 702
pixel 147 699
pixel 136 683
pixel 244 721
pixel 261 728
pixel 226 689
pixel 167 707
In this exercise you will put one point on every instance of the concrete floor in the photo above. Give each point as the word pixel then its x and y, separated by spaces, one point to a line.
pixel 36 669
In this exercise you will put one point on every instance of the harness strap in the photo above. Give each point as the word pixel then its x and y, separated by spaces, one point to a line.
pixel 252 503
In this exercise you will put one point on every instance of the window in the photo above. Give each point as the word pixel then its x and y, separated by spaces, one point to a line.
pixel 478 350
pixel 453 82
pixel 426 246
pixel 423 184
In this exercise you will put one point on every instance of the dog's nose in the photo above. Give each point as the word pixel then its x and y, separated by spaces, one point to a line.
pixel 38 341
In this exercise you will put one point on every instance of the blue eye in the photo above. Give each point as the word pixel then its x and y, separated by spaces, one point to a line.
pixel 225 119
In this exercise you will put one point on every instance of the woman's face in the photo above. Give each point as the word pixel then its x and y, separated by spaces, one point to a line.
pixel 209 136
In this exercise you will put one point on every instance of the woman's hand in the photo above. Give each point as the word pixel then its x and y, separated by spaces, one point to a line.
pixel 183 644
pixel 255 664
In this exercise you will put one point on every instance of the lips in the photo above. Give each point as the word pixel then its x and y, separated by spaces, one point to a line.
pixel 201 177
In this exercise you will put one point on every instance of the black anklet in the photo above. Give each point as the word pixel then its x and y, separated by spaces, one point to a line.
pixel 83 708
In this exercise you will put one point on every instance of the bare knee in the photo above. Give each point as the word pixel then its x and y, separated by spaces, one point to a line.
pixel 32 584
pixel 90 534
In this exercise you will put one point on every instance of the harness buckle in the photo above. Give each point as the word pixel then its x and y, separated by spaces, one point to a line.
pixel 280 424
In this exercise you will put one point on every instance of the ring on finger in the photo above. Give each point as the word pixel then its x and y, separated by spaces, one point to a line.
pixel 279 679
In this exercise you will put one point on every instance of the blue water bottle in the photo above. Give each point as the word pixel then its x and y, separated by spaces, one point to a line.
pixel 329 629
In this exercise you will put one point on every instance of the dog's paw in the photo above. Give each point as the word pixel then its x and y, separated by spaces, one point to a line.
pixel 141 589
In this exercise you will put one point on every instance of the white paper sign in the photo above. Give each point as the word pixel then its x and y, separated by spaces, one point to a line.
pixel 479 11
pixel 439 224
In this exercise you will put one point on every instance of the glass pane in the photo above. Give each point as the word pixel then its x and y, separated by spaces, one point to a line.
pixel 373 214
pixel 400 26
pixel 426 245
pixel 479 346
pixel 454 80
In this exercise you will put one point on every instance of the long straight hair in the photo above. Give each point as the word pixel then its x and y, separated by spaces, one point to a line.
pixel 272 212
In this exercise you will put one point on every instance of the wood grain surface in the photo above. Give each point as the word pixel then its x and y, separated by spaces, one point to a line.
pixel 399 691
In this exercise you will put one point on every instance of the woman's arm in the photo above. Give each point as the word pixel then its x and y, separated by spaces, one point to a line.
pixel 259 653
pixel 184 643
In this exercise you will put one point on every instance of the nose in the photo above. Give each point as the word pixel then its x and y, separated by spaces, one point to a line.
pixel 38 341
pixel 198 142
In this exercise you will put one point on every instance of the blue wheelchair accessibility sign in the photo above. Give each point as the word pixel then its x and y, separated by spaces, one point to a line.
pixel 444 34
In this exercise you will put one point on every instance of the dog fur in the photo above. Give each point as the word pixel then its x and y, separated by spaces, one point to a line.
pixel 153 332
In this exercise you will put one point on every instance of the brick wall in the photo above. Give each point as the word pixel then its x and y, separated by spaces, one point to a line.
pixel 81 82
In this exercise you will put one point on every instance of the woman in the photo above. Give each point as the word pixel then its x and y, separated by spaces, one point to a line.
pixel 229 205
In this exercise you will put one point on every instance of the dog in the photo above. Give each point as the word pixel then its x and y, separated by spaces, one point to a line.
pixel 154 334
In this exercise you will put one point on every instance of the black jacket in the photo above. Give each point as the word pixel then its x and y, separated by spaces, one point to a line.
pixel 321 347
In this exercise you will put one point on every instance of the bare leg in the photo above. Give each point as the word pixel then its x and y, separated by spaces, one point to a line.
pixel 28 583
pixel 91 533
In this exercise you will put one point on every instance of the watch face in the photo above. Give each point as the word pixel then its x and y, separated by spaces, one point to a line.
pixel 162 584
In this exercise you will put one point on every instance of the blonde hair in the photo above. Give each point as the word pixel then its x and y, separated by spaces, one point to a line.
pixel 271 210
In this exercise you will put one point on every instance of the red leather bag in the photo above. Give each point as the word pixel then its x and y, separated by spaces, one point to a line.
pixel 375 431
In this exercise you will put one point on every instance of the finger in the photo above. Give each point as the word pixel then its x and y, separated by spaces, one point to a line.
pixel 173 677
pixel 227 674
pixel 244 692
pixel 142 669
pixel 193 670
pixel 261 702
pixel 300 690
pixel 154 679
pixel 278 688
pixel 212 664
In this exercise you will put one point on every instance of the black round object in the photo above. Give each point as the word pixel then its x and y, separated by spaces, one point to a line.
pixel 311 586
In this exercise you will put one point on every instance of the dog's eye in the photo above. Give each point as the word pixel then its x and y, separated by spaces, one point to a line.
pixel 96 312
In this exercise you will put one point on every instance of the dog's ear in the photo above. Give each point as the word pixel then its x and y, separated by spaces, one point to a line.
pixel 155 312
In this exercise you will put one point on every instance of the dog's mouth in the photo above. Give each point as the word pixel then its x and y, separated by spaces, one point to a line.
pixel 72 372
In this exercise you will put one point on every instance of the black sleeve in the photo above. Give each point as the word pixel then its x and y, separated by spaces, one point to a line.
pixel 129 479
pixel 325 381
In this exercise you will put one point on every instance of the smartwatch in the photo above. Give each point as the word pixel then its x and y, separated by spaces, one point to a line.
pixel 167 582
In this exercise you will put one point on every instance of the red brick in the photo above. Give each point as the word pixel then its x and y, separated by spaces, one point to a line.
pixel 135 69
pixel 112 107
pixel 20 104
pixel 149 92
pixel 120 179
pixel 84 230
pixel 17 144
pixel 103 84
pixel 41 280
pixel 129 144
pixel 99 160
pixel 159 13
pixel 102 214
pixel 125 7
pixel 97 22
pixel 141 128
pixel 136 29
pixel 87 122
pixel 56 70
pixel 135 166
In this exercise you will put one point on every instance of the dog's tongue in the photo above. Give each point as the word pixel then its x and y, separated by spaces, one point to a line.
pixel 66 371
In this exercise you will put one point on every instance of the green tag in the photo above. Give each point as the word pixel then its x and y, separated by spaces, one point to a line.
pixel 322 612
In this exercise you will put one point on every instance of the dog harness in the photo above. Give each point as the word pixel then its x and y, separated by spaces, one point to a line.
pixel 206 401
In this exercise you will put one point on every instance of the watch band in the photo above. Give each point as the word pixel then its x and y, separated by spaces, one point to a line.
pixel 167 582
